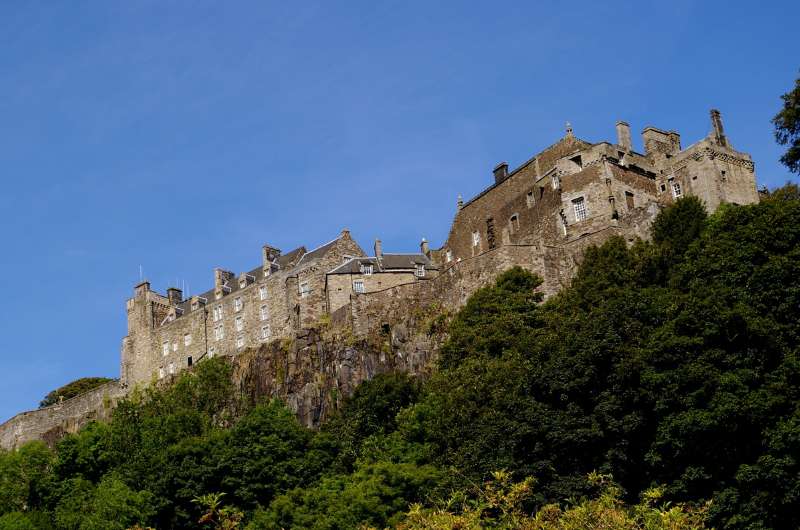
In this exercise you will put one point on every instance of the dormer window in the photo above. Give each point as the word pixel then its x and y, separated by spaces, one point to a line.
pixel 366 269
pixel 419 272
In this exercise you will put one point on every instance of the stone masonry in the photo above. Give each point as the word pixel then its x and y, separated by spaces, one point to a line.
pixel 541 216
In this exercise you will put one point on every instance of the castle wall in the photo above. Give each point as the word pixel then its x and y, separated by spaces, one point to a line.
pixel 340 286
pixel 51 423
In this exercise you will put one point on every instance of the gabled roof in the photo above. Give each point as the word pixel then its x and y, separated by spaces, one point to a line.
pixel 387 263
pixel 318 252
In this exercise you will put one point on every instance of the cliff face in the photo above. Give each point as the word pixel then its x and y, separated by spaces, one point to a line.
pixel 314 372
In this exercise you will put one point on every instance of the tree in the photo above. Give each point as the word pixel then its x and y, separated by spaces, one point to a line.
pixel 787 128
pixel 75 388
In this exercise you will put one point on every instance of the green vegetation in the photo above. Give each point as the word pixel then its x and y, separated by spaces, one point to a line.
pixel 75 388
pixel 787 127
pixel 671 366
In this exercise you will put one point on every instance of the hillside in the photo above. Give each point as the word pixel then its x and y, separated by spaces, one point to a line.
pixel 660 390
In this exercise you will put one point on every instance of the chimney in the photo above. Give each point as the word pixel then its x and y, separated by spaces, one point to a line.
pixel 500 172
pixel 425 248
pixel 624 135
pixel 378 249
pixel 174 295
pixel 268 255
pixel 221 277
pixel 345 233
pixel 460 201
pixel 719 132
pixel 141 288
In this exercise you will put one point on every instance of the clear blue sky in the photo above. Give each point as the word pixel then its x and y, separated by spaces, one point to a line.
pixel 183 135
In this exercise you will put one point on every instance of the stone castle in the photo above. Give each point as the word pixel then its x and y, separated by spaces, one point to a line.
pixel 540 216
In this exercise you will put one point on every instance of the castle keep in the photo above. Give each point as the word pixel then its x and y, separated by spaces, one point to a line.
pixel 540 216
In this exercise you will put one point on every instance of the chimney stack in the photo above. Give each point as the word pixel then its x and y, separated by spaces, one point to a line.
pixel 174 295
pixel 719 132
pixel 268 255
pixel 624 135
pixel 460 201
pixel 378 249
pixel 425 248
pixel 500 172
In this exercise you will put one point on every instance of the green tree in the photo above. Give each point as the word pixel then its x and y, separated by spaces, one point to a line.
pixel 787 128
pixel 75 388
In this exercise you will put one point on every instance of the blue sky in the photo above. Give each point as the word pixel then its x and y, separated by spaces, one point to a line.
pixel 181 136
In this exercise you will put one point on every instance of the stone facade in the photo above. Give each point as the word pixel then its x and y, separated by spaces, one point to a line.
pixel 541 216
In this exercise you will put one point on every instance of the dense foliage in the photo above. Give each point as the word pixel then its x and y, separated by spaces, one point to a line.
pixel 787 127
pixel 671 365
pixel 75 388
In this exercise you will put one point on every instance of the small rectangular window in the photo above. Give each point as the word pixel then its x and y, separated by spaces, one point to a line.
pixel 165 349
pixel 304 289
pixel 555 181
pixel 263 313
pixel 449 256
pixel 239 323
pixel 265 333
pixel 262 292
pixel 419 272
pixel 175 346
pixel 240 341
pixel 189 361
pixel 629 200
pixel 676 189
pixel 217 313
pixel 580 209
pixel 161 373
pixel 219 333
pixel 211 352
pixel 187 340
pixel 529 200
pixel 171 368
pixel 237 304
pixel 358 286
pixel 476 238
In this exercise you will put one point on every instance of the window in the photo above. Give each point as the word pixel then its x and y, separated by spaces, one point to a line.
pixel 240 341
pixel 676 189
pixel 580 209
pixel 629 200
pixel 161 373
pixel 555 181
pixel 476 238
pixel 217 313
pixel 514 222
pixel 304 289
pixel 262 292
pixel 195 306
pixel 420 270
pixel 577 160
pixel 663 187
pixel 175 346
pixel 239 323
pixel 265 333
pixel 237 304
pixel 211 351
pixel 242 283
pixel 366 269
pixel 529 199
pixel 187 340
pixel 219 333
pixel 165 349
pixel 358 286
pixel 264 312
pixel 449 256
pixel 171 368
pixel 189 361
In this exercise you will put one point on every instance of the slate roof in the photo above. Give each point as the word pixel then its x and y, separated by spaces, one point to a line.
pixel 387 263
